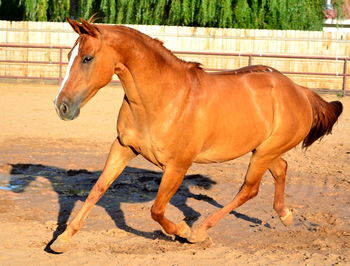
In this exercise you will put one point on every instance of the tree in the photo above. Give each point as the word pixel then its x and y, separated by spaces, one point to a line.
pixel 189 8
pixel 58 10
pixel 242 13
pixel 130 12
pixel 225 13
pixel 145 12
pixel 160 13
pixel 258 8
pixel 108 8
pixel 85 9
pixel 294 14
pixel 175 13
pixel 262 14
pixel 35 10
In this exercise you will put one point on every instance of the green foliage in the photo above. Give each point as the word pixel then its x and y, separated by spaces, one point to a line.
pixel 121 9
pixel 225 12
pixel 108 8
pixel 263 14
pixel 339 6
pixel 294 14
pixel 189 11
pixel 145 11
pixel 130 12
pixel 85 8
pixel 59 10
pixel 35 9
pixel 207 13
pixel 242 12
pixel 258 8
pixel 273 13
pixel 175 13
pixel 126 11
pixel 160 12
pixel 181 12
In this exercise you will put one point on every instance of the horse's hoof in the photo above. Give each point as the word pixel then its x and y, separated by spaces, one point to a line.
pixel 184 230
pixel 288 218
pixel 198 235
pixel 171 236
pixel 60 245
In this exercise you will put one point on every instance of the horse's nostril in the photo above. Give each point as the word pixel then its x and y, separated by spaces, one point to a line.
pixel 63 108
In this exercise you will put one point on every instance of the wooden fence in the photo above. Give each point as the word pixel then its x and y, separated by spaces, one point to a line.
pixel 198 40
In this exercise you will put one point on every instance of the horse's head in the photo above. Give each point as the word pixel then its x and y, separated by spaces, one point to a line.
pixel 90 67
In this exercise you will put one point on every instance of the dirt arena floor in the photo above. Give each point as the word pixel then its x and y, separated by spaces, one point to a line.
pixel 47 167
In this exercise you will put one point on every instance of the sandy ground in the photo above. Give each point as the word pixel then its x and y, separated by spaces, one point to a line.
pixel 47 167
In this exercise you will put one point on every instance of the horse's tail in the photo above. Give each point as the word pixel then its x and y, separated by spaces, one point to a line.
pixel 325 115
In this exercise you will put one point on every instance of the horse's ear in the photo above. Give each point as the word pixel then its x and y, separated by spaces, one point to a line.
pixel 75 25
pixel 84 27
pixel 90 28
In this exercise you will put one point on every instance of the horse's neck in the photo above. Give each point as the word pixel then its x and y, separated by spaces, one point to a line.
pixel 151 92
pixel 148 76
pixel 128 83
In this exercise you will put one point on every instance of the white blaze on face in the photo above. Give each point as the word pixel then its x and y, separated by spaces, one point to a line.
pixel 70 63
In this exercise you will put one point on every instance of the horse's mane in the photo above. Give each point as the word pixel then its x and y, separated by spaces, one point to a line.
pixel 155 43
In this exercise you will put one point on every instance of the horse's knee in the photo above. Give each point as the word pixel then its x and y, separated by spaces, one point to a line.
pixel 156 213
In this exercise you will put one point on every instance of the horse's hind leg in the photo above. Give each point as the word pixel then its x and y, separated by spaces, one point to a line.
pixel 115 164
pixel 257 167
pixel 278 169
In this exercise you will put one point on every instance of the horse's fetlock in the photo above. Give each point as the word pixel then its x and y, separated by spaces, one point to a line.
pixel 156 214
pixel 278 207
pixel 73 228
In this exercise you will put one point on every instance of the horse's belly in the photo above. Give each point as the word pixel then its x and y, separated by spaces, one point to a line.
pixel 218 154
pixel 225 145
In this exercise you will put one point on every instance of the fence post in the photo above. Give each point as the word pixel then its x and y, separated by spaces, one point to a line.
pixel 60 67
pixel 250 60
pixel 344 76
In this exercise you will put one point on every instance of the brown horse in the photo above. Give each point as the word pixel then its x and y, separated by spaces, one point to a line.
pixel 175 114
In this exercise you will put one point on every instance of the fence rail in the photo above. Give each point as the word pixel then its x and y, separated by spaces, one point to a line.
pixel 250 57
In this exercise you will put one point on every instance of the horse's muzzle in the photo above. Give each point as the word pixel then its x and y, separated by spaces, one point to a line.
pixel 67 111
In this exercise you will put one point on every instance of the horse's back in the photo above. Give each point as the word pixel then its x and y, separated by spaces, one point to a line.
pixel 245 109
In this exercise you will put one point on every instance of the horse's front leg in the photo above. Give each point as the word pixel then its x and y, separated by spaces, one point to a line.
pixel 117 159
pixel 171 180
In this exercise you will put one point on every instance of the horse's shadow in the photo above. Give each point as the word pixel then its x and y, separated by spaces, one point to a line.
pixel 133 186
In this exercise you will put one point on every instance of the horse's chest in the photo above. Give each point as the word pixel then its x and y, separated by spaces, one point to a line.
pixel 129 130
pixel 139 138
pixel 129 138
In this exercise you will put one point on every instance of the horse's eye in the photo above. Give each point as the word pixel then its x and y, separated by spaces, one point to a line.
pixel 87 59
